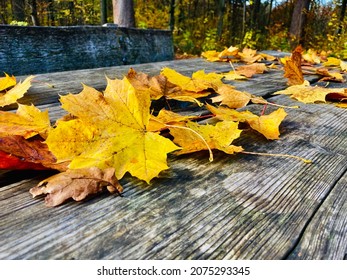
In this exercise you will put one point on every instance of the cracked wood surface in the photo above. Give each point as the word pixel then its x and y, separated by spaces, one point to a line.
pixel 237 207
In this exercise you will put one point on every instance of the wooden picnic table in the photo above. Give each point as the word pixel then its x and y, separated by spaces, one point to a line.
pixel 236 207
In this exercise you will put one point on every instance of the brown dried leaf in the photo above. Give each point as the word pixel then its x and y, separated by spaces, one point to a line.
pixel 76 184
pixel 292 68
pixel 157 86
pixel 251 69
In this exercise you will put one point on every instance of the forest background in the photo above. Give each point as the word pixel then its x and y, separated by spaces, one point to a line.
pixel 201 25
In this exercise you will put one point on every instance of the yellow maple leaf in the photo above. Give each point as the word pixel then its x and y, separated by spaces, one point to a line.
pixel 110 130
pixel 16 92
pixel 199 85
pixel 219 136
pixel 195 85
pixel 332 61
pixel 7 81
pixel 311 94
pixel 249 55
pixel 28 121
pixel 268 125
pixel 212 56
pixel 268 57
pixel 228 53
pixel 234 75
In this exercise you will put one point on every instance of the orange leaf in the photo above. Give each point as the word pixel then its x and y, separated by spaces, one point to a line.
pixel 292 68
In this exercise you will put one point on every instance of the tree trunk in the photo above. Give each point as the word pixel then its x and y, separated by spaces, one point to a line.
pixel 123 13
pixel 342 15
pixel 18 9
pixel 297 26
pixel 33 13
pixel 103 11
pixel 221 10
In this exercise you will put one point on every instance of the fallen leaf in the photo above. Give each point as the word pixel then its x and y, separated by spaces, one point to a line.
pixel 312 57
pixel 234 98
pixel 311 94
pixel 212 56
pixel 194 85
pixel 165 118
pixel 343 65
pixel 268 57
pixel 7 82
pixel 228 53
pixel 76 184
pixel 16 92
pixel 219 136
pixel 292 68
pixel 30 153
pixel 110 130
pixel 233 75
pixel 251 69
pixel 231 97
pixel 12 162
pixel 332 61
pixel 156 86
pixel 249 55
pixel 329 76
pixel 268 125
pixel 28 121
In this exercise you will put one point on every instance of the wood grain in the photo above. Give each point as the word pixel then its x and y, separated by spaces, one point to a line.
pixel 237 207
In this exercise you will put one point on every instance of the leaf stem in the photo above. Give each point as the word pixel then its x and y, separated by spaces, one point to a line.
pixel 282 106
pixel 199 135
pixel 277 155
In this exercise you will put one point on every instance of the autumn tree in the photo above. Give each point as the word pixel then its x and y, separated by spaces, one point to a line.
pixel 123 13
pixel 297 26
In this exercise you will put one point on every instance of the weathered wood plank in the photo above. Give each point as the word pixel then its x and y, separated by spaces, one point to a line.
pixel 41 49
pixel 238 207
pixel 325 236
